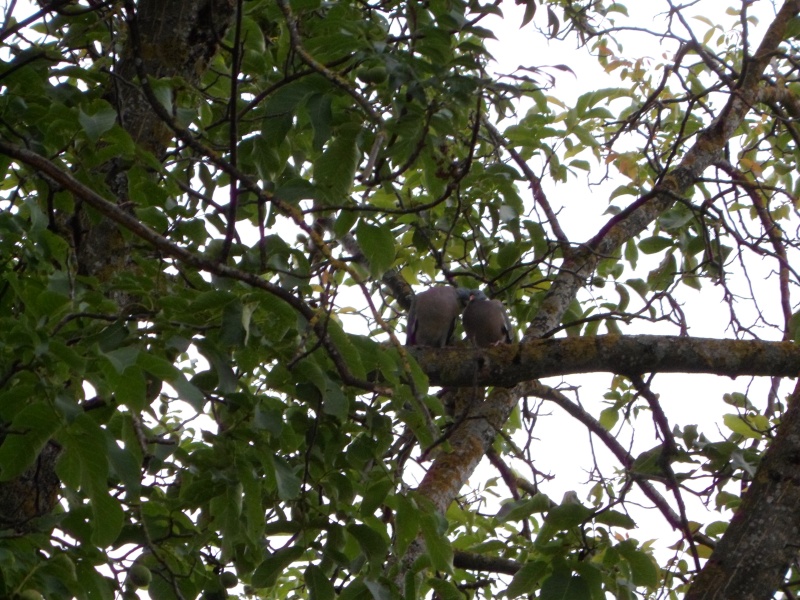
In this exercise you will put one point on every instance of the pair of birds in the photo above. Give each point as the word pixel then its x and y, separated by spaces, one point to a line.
pixel 434 312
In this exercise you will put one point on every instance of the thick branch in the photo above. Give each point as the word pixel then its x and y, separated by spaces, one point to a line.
pixel 511 364
pixel 480 562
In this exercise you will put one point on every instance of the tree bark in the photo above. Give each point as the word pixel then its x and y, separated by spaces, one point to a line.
pixel 509 365
pixel 164 40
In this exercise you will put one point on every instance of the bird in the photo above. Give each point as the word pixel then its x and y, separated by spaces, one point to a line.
pixel 433 315
pixel 486 321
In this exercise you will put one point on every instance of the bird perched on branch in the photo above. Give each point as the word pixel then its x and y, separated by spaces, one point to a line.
pixel 486 322
pixel 433 316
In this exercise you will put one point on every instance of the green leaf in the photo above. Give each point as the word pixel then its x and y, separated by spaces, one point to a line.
pixel 49 302
pixel 437 546
pixel 356 590
pixel 560 518
pixel 335 403
pixel 717 528
pixel 319 112
pixel 212 300
pixel 609 417
pixel 122 358
pixel 375 495
pixel 93 583
pixel 125 465
pixel 162 90
pixel 519 510
pixel 30 430
pixel 130 388
pixel 631 253
pixel 378 590
pixel 107 517
pixel 738 400
pixel 593 575
pixel 445 589
pixel 288 483
pixel 276 317
pixel 661 278
pixel 295 189
pixel 654 244
pixel 526 580
pixel 620 8
pixel 650 462
pixel 98 122
pixel 372 543
pixel 67 355
pixel 232 332
pixel 407 521
pixel 288 97
pixel 253 34
pixel 334 172
pixel 644 570
pixel 344 222
pixel 266 574
pixel 676 218
pixel 348 351
pixel 157 366
pixel 377 244
pixel 563 585
pixel 615 519
pixel 530 11
pixel 319 586
pixel 226 380
pixel 88 444
pixel 188 391
pixel 749 426
pixel 639 286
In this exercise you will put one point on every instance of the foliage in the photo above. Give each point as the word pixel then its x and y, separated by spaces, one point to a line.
pixel 234 411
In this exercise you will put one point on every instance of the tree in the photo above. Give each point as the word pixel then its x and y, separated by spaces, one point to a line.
pixel 212 216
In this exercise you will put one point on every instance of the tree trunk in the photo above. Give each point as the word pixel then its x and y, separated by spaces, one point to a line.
pixel 751 559
pixel 177 39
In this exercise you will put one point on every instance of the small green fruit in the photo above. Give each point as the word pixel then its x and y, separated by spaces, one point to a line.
pixel 372 74
pixel 378 74
pixel 228 579
pixel 30 595
pixel 140 576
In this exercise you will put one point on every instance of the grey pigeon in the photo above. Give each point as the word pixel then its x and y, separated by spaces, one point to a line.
pixel 486 322
pixel 433 315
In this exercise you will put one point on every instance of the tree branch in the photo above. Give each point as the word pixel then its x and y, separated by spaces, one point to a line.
pixel 508 365
pixel 124 219
pixel 622 455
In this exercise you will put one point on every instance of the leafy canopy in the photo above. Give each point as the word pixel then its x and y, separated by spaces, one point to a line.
pixel 209 229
